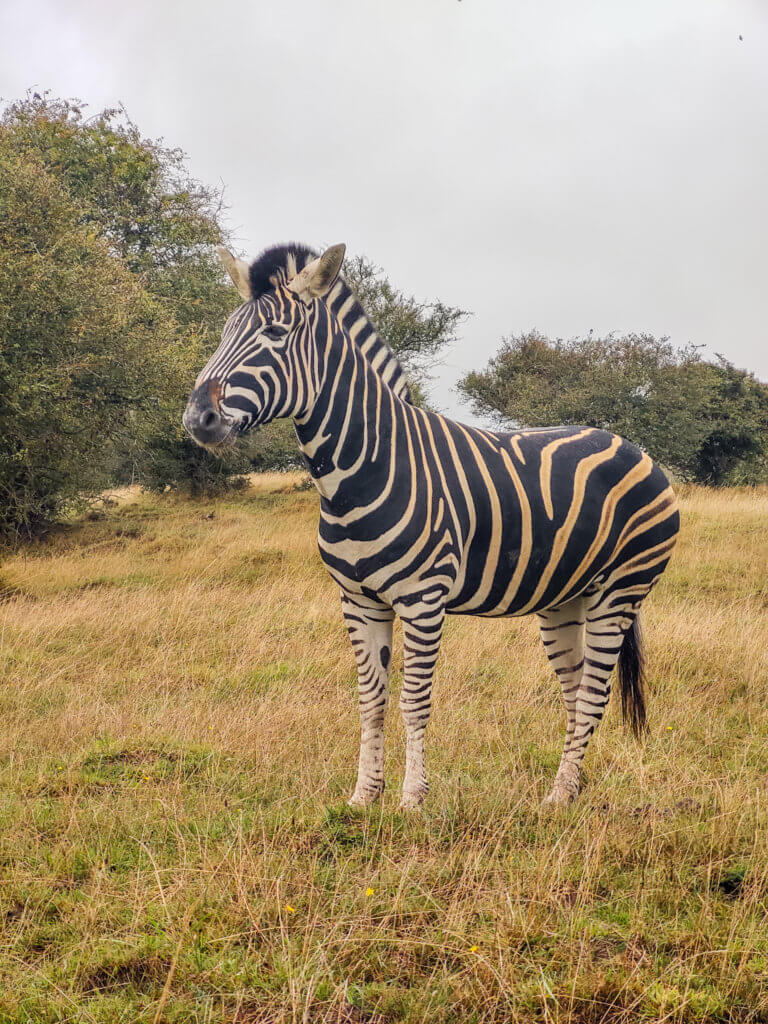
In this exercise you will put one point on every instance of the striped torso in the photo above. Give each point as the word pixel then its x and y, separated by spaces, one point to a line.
pixel 500 524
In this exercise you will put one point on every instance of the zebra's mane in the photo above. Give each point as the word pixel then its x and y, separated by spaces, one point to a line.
pixel 278 264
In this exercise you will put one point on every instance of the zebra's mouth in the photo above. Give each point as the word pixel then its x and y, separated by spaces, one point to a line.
pixel 235 429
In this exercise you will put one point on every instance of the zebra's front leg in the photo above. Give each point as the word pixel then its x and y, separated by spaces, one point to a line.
pixel 422 632
pixel 370 630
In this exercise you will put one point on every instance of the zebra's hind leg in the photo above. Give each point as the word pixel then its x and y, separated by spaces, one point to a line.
pixel 370 630
pixel 562 633
pixel 422 632
pixel 609 616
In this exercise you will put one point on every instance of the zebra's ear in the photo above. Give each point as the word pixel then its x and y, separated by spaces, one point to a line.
pixel 319 276
pixel 238 270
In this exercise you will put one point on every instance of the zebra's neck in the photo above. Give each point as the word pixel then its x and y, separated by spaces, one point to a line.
pixel 352 422
pixel 354 322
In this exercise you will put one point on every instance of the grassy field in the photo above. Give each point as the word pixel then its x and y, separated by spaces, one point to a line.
pixel 179 735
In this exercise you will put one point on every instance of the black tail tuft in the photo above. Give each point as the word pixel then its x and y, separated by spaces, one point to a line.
pixel 631 679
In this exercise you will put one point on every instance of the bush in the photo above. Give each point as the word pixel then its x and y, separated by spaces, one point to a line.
pixel 161 226
pixel 85 351
pixel 708 421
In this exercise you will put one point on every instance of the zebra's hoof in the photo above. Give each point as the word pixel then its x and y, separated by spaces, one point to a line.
pixel 413 800
pixel 557 798
pixel 364 798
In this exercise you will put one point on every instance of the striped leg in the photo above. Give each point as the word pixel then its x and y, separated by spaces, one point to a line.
pixel 422 633
pixel 607 623
pixel 562 633
pixel 370 630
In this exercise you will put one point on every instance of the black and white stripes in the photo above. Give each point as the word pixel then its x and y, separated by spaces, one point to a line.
pixel 422 517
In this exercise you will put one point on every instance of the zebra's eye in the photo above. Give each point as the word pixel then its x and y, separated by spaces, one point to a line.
pixel 274 332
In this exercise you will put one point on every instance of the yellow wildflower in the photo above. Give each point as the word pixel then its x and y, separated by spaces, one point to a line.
pixel 473 949
pixel 369 891
pixel 290 909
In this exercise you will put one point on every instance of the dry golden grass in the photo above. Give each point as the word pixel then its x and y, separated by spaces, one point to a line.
pixel 180 733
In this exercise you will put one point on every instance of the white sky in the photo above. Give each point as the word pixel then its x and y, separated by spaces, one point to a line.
pixel 600 164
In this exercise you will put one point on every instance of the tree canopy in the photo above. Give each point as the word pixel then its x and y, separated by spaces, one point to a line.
pixel 158 227
pixel 84 349
pixel 707 420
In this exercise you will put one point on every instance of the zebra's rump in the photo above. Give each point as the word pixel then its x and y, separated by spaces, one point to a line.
pixel 556 512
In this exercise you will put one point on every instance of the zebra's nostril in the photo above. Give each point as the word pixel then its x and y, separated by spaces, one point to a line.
pixel 209 419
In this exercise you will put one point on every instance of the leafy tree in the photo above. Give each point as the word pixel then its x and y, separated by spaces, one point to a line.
pixel 84 349
pixel 706 420
pixel 734 449
pixel 137 196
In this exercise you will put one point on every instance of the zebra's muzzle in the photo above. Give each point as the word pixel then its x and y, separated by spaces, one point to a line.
pixel 204 419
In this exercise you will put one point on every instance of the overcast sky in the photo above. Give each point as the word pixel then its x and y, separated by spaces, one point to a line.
pixel 600 164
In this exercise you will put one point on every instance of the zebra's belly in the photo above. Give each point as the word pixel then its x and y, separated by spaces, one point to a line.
pixel 397 572
pixel 518 604
pixel 519 582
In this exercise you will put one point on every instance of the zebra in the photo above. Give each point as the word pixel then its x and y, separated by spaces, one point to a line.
pixel 423 517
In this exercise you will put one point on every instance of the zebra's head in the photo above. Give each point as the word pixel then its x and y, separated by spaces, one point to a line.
pixel 266 365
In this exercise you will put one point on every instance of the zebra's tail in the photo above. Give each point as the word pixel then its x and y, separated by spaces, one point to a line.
pixel 632 679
